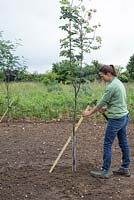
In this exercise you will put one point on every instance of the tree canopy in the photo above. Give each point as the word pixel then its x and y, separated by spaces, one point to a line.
pixel 130 67
pixel 10 64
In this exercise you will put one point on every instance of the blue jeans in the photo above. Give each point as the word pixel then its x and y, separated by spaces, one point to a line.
pixel 116 127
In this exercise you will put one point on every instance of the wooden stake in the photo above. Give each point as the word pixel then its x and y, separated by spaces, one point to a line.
pixel 66 144
pixel 5 112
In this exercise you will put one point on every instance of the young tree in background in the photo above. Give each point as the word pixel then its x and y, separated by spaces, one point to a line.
pixel 79 39
pixel 9 64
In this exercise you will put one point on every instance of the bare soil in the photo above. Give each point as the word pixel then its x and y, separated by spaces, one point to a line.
pixel 28 150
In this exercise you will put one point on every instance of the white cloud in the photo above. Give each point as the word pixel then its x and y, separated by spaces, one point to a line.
pixel 116 31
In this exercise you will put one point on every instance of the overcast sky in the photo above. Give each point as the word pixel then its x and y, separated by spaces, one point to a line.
pixel 36 23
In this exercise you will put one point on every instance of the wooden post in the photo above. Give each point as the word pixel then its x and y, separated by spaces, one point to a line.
pixel 5 112
pixel 66 144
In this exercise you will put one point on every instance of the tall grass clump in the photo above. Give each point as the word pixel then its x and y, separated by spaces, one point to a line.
pixel 55 101
pixel 130 99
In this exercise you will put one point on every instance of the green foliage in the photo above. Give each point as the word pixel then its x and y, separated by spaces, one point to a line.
pixel 62 70
pixel 37 101
pixel 123 77
pixel 54 88
pixel 80 35
pixel 91 71
pixel 130 67
pixel 1 75
pixel 8 59
pixel 118 69
pixel 9 65
pixel 50 78
pixel 87 73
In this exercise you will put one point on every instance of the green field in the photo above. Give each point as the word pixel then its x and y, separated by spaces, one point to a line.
pixel 37 101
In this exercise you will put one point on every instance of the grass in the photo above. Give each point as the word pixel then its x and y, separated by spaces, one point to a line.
pixel 37 101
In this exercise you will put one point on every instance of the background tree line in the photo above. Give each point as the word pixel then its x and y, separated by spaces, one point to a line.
pixel 13 68
pixel 61 73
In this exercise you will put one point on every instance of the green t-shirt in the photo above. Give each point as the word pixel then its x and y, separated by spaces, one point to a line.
pixel 114 98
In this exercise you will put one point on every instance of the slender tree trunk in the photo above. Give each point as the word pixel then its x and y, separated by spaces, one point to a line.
pixel 8 99
pixel 74 110
pixel 74 138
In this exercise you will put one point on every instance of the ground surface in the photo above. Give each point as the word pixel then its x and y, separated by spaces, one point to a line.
pixel 28 150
